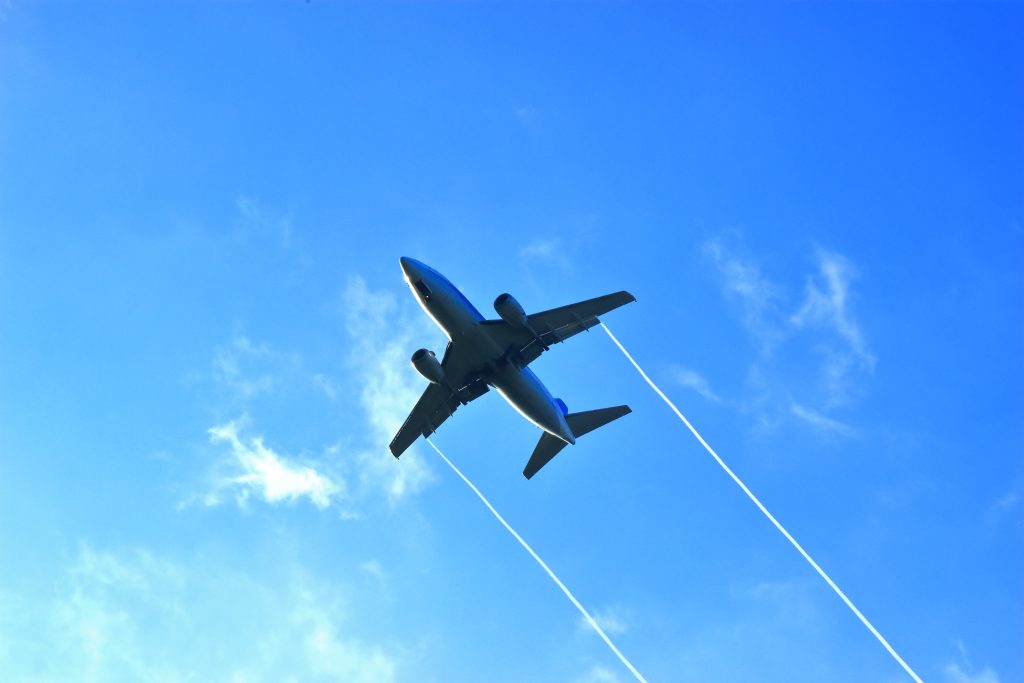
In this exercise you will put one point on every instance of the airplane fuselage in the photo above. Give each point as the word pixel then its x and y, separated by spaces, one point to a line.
pixel 462 323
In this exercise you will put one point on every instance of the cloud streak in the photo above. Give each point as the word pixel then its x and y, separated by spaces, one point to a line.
pixel 231 362
pixel 819 421
pixel 826 306
pixel 691 379
pixel 820 323
pixel 137 616
pixel 549 249
pixel 756 295
pixel 258 472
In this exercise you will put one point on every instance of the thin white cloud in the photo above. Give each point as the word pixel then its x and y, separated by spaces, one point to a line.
pixel 1006 507
pixel 691 379
pixel 257 471
pixel 820 422
pixel 248 370
pixel 598 674
pixel 383 334
pixel 136 616
pixel 826 306
pixel 609 620
pixel 331 655
pixel 756 295
pixel 954 674
pixel 233 367
pixel 549 249
pixel 374 569
pixel 257 220
pixel 1007 502
pixel 829 305
pixel 823 326
pixel 525 112
pixel 326 385
pixel 961 672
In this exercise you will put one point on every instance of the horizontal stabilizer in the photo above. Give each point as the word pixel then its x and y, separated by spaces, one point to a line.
pixel 547 448
pixel 589 420
pixel 580 423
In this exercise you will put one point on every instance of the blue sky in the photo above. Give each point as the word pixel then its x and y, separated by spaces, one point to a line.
pixel 204 339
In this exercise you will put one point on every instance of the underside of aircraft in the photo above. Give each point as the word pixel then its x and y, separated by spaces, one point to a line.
pixel 484 354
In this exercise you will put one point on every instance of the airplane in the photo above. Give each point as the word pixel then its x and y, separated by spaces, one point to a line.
pixel 495 353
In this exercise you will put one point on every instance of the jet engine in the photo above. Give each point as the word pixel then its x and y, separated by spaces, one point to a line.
pixel 510 310
pixel 427 365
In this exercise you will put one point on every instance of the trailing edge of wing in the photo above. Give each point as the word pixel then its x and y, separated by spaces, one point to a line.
pixel 436 405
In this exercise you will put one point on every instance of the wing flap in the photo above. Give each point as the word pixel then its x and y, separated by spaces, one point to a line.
pixel 436 405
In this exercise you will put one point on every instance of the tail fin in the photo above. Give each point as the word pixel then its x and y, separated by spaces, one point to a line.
pixel 580 424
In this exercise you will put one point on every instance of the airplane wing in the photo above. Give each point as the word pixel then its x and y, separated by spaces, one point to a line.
pixel 553 326
pixel 439 401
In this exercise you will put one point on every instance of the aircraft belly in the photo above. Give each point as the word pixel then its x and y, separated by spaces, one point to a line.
pixel 531 399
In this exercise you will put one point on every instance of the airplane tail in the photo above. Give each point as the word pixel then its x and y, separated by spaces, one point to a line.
pixel 580 424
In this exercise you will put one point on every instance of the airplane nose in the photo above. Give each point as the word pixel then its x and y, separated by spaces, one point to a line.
pixel 408 266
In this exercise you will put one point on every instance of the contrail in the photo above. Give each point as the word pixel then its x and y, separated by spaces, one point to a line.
pixel 545 567
pixel 763 509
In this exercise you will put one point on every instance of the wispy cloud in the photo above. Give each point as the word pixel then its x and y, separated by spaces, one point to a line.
pixel 963 671
pixel 551 250
pixel 609 620
pixel 788 330
pixel 256 471
pixel 382 335
pixel 826 306
pixel 136 616
pixel 331 655
pixel 326 385
pixel 1006 507
pixel 257 220
pixel 954 674
pixel 235 366
pixel 819 421
pixel 598 674
pixel 525 112
pixel 691 379
pixel 757 297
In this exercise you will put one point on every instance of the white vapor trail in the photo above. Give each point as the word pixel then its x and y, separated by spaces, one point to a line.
pixel 544 566
pixel 763 509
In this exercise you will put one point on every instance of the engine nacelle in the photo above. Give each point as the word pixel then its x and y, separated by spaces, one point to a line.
pixel 510 310
pixel 426 364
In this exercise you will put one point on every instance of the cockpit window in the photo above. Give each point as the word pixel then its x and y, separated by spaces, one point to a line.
pixel 422 288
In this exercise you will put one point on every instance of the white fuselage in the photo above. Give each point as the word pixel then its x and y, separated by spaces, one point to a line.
pixel 460 320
